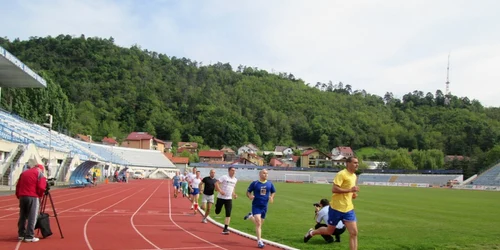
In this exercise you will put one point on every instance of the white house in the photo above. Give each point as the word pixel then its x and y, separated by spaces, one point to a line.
pixel 249 148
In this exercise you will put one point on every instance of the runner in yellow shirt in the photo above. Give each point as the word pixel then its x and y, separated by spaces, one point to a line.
pixel 341 207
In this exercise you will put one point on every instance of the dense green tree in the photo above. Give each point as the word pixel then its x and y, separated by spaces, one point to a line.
pixel 100 89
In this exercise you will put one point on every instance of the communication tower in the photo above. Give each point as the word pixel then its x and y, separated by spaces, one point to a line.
pixel 447 92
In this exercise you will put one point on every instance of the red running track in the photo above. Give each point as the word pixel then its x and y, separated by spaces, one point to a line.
pixel 141 214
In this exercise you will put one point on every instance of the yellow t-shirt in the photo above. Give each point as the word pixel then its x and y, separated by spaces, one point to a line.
pixel 343 202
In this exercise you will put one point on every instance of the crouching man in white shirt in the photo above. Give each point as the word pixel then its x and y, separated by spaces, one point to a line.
pixel 321 217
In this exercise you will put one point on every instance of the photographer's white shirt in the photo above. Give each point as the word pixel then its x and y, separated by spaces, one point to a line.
pixel 323 217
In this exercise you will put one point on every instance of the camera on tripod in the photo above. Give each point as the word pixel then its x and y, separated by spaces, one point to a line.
pixel 50 182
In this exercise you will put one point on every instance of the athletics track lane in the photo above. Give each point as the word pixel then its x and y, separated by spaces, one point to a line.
pixel 142 214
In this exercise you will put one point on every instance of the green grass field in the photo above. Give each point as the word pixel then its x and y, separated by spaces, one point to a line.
pixel 388 217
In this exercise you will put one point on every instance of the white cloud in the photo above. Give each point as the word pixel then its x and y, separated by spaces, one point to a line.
pixel 380 46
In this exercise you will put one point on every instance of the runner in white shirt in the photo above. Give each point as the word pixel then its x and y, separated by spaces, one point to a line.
pixel 225 185
pixel 194 187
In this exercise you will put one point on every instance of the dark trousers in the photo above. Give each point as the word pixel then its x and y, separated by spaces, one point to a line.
pixel 329 238
pixel 28 210
pixel 228 206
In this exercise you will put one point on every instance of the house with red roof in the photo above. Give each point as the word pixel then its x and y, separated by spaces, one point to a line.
pixel 109 141
pixel 314 158
pixel 85 138
pixel 343 151
pixel 143 140
pixel 179 162
pixel 211 155
pixel 274 162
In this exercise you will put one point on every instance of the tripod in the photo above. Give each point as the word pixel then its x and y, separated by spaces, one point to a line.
pixel 43 204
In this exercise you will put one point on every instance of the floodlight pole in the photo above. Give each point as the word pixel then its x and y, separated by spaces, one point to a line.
pixel 49 125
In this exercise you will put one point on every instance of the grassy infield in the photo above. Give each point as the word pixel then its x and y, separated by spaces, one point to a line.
pixel 388 217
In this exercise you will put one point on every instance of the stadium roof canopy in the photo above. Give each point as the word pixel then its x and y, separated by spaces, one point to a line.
pixel 15 74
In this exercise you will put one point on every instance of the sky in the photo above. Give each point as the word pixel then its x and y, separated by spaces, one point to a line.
pixel 376 45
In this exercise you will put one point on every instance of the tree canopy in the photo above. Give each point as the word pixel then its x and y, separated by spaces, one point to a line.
pixel 96 87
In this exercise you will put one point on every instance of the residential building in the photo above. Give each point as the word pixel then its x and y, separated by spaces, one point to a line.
pixel 338 160
pixel 274 153
pixel 143 140
pixel 253 158
pixel 249 148
pixel 303 148
pixel 191 147
pixel 211 156
pixel 275 163
pixel 168 146
pixel 109 141
pixel 286 151
pixel 229 154
pixel 179 162
pixel 85 138
pixel 344 151
pixel 314 158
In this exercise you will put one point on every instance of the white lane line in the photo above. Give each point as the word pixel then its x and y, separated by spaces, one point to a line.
pixel 59 212
pixel 132 218
pixel 19 243
pixel 155 225
pixel 194 235
pixel 88 220
pixel 182 248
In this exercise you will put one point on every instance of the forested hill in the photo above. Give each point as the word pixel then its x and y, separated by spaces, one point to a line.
pixel 101 89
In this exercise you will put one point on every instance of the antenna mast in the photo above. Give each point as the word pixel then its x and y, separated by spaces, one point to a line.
pixel 447 93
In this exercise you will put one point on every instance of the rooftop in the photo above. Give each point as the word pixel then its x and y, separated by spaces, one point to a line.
pixel 15 74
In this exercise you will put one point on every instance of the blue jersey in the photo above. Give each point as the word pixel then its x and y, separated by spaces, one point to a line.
pixel 176 180
pixel 261 192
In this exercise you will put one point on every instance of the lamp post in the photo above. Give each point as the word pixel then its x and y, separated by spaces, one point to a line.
pixel 49 125
pixel 90 140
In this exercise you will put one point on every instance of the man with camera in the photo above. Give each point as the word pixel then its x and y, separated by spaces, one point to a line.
pixel 321 218
pixel 31 186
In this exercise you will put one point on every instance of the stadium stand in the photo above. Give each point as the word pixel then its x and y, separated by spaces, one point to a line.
pixel 374 177
pixel 16 129
pixel 20 131
pixel 490 177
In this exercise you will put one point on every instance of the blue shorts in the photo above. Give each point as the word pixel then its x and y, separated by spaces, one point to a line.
pixel 334 216
pixel 262 210
pixel 177 185
pixel 195 191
